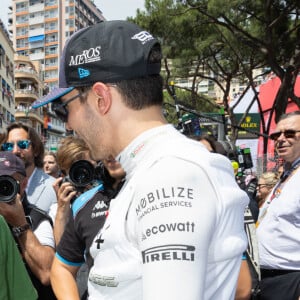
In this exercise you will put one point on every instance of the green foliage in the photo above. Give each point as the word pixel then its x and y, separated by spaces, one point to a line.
pixel 224 40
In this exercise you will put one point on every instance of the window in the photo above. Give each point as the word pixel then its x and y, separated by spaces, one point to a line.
pixel 21 43
pixel 22 19
pixel 51 50
pixel 22 31
pixel 21 6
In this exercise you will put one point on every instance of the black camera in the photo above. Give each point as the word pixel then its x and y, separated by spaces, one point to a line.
pixel 82 173
pixel 9 188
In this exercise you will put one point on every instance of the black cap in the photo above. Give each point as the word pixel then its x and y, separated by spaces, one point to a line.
pixel 11 164
pixel 109 51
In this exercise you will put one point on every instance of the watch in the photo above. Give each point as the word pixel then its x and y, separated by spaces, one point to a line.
pixel 19 230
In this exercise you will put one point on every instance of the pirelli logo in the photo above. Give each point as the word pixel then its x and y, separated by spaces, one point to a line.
pixel 173 252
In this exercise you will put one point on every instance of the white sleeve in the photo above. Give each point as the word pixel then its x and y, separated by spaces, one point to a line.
pixel 184 217
pixel 53 211
pixel 185 238
pixel 44 233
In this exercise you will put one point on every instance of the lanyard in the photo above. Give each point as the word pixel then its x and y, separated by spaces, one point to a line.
pixel 277 189
pixel 286 174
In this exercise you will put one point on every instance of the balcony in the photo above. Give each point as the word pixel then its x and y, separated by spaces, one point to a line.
pixel 26 114
pixel 36 32
pixel 36 45
pixel 26 72
pixel 27 94
pixel 36 20
pixel 37 56
pixel 36 7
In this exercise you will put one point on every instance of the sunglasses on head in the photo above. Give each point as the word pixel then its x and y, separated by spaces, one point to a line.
pixel 60 108
pixel 9 146
pixel 289 134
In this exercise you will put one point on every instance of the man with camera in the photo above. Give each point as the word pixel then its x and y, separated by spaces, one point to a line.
pixel 23 141
pixel 30 226
pixel 15 282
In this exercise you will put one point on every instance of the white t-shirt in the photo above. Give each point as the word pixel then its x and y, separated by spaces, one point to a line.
pixel 278 232
pixel 176 229
pixel 44 233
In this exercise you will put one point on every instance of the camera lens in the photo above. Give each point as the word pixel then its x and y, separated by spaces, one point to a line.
pixel 9 188
pixel 82 173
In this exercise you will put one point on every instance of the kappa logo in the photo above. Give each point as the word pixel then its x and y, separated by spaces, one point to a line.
pixel 143 37
pixel 99 205
pixel 99 210
pixel 83 73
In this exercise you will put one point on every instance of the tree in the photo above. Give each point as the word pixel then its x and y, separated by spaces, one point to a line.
pixel 225 40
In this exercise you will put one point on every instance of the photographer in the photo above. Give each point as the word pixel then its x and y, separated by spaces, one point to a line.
pixel 15 282
pixel 30 226
pixel 70 150
pixel 88 212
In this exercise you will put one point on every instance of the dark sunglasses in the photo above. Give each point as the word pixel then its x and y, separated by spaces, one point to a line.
pixel 60 109
pixel 289 134
pixel 9 146
pixel 263 185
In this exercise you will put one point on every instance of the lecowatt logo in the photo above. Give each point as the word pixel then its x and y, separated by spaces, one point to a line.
pixel 87 56
pixel 169 252
pixel 143 37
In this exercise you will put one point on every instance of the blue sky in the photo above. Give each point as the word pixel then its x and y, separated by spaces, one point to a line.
pixel 111 9
pixel 119 9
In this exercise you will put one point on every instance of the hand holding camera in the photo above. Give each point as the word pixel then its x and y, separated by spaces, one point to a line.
pixel 65 192
pixel 82 176
pixel 9 188
pixel 10 201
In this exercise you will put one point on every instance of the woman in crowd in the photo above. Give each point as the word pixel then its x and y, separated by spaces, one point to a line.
pixel 265 184
pixel 88 210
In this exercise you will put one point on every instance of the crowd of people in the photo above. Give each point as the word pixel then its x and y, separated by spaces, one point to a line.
pixel 129 207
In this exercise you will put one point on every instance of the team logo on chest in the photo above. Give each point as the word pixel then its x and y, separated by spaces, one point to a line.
pixel 100 209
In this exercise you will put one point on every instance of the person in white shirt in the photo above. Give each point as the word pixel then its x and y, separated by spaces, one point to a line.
pixel 24 141
pixel 278 230
pixel 175 229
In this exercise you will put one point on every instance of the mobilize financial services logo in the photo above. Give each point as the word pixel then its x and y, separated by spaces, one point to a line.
pixel 173 252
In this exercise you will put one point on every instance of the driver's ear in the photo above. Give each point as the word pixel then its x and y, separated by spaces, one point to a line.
pixel 103 97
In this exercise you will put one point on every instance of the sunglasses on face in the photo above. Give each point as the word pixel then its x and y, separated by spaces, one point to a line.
pixel 60 108
pixel 9 146
pixel 289 134
pixel 259 186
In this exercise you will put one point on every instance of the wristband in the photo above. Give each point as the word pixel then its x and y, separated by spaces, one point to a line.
pixel 19 230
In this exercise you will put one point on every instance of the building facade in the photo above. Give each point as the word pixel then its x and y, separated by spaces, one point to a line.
pixel 39 29
pixel 28 88
pixel 7 106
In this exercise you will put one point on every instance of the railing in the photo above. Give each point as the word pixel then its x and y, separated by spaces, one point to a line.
pixel 26 70
pixel 26 91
